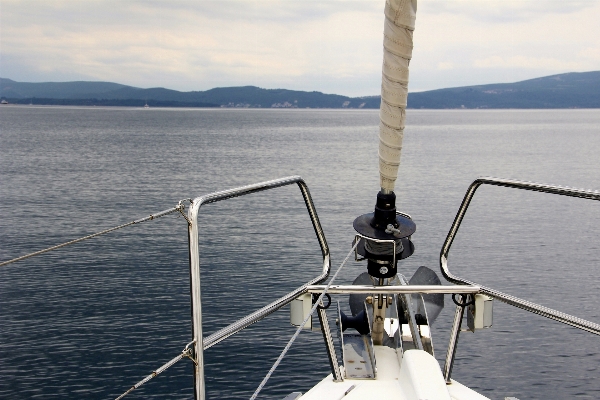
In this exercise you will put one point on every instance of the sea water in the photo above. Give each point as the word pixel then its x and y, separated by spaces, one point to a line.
pixel 92 319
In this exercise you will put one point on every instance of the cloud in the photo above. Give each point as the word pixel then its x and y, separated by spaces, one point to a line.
pixel 552 40
pixel 186 46
pixel 525 62
pixel 502 11
pixel 590 53
pixel 330 46
pixel 445 65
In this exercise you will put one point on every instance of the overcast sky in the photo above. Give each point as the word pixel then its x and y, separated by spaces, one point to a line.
pixel 328 46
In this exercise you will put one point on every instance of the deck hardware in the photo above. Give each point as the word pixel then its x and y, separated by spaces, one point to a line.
pixel 465 302
pixel 387 236
pixel 181 208
pixel 300 310
pixel 479 313
pixel 379 311
pixel 410 316
pixel 331 355
pixel 349 390
pixel 359 322
pixel 357 349
pixel 321 306
pixel 391 230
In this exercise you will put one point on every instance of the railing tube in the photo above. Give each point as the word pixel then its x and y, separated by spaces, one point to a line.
pixel 453 343
pixel 506 298
pixel 193 239
pixel 333 362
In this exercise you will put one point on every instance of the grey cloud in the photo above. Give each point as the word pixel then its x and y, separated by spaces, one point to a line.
pixel 497 11
pixel 269 10
pixel 88 15
pixel 306 45
pixel 122 11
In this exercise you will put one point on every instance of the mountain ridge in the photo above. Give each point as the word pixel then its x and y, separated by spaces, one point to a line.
pixel 568 90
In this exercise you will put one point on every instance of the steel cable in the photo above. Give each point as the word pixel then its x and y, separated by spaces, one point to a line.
pixel 179 207
pixel 293 338
pixel 185 353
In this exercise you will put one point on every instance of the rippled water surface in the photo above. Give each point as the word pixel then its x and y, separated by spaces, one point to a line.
pixel 92 319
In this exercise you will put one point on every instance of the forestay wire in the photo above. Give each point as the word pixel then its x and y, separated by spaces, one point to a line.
pixel 312 310
pixel 178 208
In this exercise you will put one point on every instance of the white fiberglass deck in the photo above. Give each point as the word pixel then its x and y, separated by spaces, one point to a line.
pixel 415 376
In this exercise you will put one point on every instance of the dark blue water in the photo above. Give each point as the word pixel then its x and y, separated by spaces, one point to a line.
pixel 92 319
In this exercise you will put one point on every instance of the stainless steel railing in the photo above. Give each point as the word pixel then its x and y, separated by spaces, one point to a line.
pixel 405 289
pixel 506 298
pixel 468 287
pixel 193 237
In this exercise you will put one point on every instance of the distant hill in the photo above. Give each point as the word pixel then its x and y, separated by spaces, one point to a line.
pixel 55 90
pixel 571 90
pixel 105 93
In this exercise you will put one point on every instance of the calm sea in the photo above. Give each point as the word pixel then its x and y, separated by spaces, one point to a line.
pixel 92 319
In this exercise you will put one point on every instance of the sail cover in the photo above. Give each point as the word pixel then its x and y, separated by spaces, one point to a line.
pixel 397 52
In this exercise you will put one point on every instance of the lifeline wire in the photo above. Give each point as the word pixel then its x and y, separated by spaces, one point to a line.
pixel 287 347
pixel 179 207
pixel 184 353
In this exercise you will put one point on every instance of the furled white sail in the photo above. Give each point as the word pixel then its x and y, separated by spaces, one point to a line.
pixel 397 52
